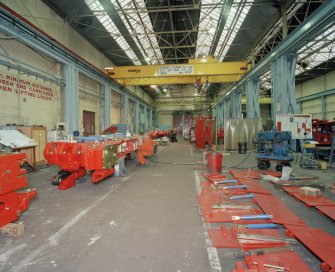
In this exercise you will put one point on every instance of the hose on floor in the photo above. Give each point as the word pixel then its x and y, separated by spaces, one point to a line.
pixel 243 161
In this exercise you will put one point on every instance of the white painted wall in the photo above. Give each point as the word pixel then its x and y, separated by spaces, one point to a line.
pixel 48 21
pixel 30 98
pixel 165 119
pixel 330 106
pixel 26 104
pixel 315 86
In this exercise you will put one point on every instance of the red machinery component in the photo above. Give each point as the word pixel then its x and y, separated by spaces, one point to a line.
pixel 75 158
pixel 322 131
pixel 203 131
pixel 13 178
pixel 156 134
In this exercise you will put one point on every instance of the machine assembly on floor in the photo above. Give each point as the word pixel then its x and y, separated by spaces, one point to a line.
pixel 273 146
pixel 75 158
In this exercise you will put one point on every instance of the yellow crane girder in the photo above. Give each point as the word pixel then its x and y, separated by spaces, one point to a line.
pixel 196 71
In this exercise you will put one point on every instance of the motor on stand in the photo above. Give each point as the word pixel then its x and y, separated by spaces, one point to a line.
pixel 273 146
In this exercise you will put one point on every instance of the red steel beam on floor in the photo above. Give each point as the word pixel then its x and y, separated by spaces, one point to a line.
pixel 309 200
pixel 270 204
pixel 290 260
pixel 318 241
pixel 254 186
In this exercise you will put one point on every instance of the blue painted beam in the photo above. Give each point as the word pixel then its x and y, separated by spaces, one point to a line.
pixel 71 99
pixel 320 20
pixel 24 32
pixel 317 95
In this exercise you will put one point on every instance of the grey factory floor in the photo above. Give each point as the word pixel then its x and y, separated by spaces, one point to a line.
pixel 147 220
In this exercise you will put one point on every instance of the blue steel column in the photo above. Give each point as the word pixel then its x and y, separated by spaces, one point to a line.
pixel 252 94
pixel 106 106
pixel 283 85
pixel 137 117
pixel 150 120
pixel 146 125
pixel 71 99
pixel 227 114
pixel 124 110
pixel 236 105
pixel 219 116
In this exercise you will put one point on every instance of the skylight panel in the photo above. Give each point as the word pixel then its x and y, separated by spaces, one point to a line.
pixel 209 18
pixel 317 51
pixel 109 25
pixel 139 25
pixel 237 14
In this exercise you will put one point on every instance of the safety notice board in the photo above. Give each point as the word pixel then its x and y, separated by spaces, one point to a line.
pixel 300 125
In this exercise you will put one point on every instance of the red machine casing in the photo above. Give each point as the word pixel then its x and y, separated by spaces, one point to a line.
pixel 322 131
pixel 159 134
pixel 75 158
pixel 13 178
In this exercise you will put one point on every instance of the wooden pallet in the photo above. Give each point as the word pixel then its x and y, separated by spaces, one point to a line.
pixel 13 229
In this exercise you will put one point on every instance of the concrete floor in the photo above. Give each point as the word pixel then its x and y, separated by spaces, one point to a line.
pixel 145 221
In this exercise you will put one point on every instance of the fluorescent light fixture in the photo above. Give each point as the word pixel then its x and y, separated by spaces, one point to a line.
pixel 153 86
pixel 165 90
pixel 147 59
pixel 109 68
pixel 195 94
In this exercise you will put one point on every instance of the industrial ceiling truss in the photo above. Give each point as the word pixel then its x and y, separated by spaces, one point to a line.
pixel 157 32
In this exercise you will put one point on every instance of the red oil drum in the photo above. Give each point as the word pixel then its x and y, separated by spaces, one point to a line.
pixel 214 162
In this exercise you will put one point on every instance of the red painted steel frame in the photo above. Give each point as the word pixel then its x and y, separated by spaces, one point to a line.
pixel 12 178
pixel 200 129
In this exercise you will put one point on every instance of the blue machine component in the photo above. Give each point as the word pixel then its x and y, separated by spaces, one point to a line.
pixel 273 146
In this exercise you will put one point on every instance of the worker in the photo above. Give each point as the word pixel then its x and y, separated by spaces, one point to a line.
pixel 145 149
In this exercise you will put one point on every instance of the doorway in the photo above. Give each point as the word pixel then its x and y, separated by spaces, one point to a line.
pixel 89 123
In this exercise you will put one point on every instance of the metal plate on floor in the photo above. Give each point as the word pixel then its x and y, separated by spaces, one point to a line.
pixel 270 204
pixel 290 260
pixel 318 241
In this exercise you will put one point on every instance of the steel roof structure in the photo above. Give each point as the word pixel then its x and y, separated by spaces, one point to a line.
pixel 145 32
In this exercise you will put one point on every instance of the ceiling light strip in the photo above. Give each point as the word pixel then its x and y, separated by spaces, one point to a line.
pixel 107 22
pixel 236 17
pixel 209 19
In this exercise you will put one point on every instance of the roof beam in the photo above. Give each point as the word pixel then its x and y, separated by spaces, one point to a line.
pixel 319 21
pixel 271 24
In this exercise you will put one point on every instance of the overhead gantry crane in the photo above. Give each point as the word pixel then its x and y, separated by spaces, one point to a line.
pixel 196 71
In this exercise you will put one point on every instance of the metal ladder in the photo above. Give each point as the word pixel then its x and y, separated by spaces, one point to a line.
pixel 332 152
